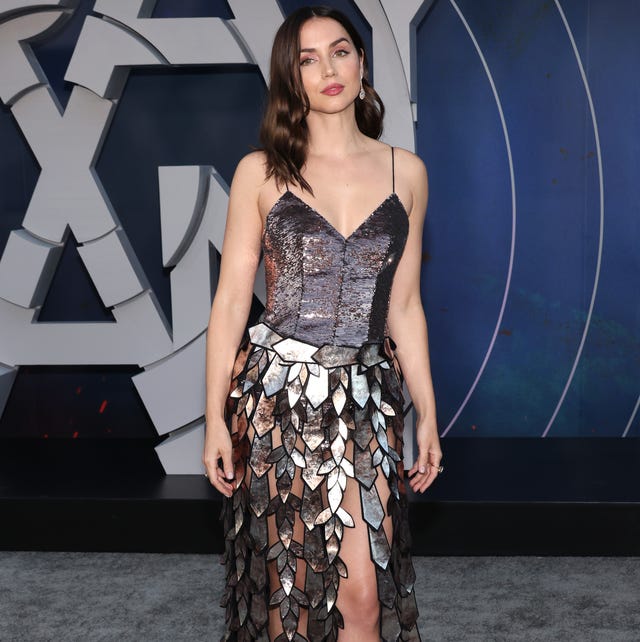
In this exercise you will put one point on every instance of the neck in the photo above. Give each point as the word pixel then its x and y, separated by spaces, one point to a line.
pixel 333 134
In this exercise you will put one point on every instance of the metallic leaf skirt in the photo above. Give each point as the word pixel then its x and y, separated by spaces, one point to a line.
pixel 309 426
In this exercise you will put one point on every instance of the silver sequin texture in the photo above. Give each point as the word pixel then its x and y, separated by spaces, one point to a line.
pixel 322 288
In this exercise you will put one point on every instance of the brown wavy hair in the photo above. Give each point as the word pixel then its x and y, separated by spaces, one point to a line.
pixel 284 135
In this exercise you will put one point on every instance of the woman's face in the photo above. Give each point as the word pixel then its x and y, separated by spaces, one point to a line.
pixel 330 65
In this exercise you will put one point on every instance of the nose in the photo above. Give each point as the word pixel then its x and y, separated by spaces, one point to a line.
pixel 327 68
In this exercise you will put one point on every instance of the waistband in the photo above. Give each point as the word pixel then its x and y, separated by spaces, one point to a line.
pixel 328 355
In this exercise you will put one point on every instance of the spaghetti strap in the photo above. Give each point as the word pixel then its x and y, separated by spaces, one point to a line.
pixel 393 172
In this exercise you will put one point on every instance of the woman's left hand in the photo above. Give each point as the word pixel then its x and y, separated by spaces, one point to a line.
pixel 425 469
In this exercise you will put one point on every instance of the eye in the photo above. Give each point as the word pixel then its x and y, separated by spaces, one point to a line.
pixel 341 52
pixel 306 61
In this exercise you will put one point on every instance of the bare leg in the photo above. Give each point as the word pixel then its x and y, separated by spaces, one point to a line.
pixel 358 595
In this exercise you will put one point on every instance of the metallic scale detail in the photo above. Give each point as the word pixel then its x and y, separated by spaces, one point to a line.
pixel 315 411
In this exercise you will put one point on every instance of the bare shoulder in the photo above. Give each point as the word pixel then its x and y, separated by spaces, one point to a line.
pixel 411 181
pixel 251 169
pixel 410 166
pixel 244 194
pixel 250 180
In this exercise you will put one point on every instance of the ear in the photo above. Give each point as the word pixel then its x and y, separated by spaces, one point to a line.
pixel 361 63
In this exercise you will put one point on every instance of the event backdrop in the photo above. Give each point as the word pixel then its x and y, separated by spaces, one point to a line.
pixel 121 126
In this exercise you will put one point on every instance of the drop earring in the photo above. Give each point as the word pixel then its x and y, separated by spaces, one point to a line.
pixel 361 95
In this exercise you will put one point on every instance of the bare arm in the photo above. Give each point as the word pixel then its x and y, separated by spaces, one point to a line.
pixel 230 311
pixel 408 328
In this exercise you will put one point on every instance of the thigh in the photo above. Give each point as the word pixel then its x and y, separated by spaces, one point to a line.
pixel 359 589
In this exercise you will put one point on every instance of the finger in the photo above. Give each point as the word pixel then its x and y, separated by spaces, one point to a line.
pixel 421 467
pixel 223 487
pixel 424 475
pixel 431 476
pixel 216 478
pixel 226 484
pixel 416 481
pixel 421 462
pixel 428 480
pixel 415 468
pixel 227 464
pixel 412 473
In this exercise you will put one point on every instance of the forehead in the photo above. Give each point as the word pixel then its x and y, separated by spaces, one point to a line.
pixel 317 33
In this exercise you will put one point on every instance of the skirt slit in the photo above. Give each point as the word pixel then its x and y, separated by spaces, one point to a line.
pixel 317 449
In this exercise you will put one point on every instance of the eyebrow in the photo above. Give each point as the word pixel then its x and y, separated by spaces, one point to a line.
pixel 333 44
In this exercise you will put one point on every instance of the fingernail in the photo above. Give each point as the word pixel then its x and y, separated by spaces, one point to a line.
pixel 229 475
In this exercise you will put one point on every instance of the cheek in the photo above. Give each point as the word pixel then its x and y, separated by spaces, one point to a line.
pixel 309 74
pixel 308 80
pixel 352 66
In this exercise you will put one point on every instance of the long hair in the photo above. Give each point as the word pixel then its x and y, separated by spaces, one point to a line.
pixel 284 134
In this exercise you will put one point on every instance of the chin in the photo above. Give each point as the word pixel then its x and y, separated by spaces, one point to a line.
pixel 334 108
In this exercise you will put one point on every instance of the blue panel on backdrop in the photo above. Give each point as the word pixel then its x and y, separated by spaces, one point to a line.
pixel 608 374
pixel 556 366
pixel 469 216
pixel 192 9
pixel 556 187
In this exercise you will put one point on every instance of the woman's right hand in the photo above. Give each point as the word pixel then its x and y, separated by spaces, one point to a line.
pixel 230 312
pixel 217 445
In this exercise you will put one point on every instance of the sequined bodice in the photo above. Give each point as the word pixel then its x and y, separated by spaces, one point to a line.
pixel 323 288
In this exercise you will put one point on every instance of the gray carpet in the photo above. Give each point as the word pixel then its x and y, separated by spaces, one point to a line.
pixel 68 597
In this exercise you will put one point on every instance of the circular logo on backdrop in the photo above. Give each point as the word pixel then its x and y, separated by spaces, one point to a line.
pixel 193 200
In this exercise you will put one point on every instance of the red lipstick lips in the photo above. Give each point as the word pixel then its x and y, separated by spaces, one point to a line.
pixel 333 90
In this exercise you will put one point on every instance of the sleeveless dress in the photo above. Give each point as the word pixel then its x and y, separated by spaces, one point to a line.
pixel 315 408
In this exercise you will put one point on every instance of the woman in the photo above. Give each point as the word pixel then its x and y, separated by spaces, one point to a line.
pixel 305 414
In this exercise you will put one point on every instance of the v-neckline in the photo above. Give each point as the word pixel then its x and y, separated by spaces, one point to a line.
pixel 330 225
